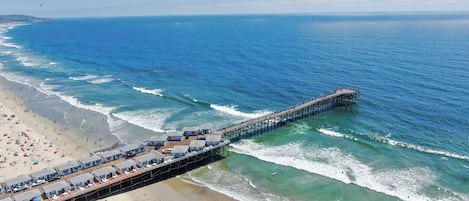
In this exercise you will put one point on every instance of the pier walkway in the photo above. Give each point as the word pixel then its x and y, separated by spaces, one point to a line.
pixel 340 97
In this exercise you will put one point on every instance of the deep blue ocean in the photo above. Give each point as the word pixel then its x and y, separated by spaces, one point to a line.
pixel 407 139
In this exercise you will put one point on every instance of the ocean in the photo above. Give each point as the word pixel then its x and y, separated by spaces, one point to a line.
pixel 407 139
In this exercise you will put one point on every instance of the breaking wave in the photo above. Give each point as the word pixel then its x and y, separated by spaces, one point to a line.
pixel 156 92
pixel 232 110
pixel 406 184
pixel 396 143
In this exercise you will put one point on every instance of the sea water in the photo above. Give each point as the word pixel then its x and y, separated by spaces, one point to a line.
pixel 407 139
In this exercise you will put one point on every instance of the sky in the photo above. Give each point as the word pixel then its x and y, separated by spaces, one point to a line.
pixel 101 8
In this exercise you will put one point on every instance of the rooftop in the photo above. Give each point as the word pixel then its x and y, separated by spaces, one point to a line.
pixel 43 172
pixel 125 164
pixel 68 165
pixel 55 187
pixel 180 149
pixel 109 153
pixel 81 178
pixel 197 143
pixel 90 159
pixel 149 156
pixel 28 195
pixel 17 180
pixel 104 170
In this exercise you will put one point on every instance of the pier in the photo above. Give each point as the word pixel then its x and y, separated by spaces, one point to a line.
pixel 340 97
pixel 118 169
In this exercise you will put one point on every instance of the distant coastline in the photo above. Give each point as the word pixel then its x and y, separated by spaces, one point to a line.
pixel 20 19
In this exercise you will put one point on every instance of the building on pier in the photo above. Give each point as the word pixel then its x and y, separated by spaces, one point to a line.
pixel 110 155
pixel 126 166
pixel 151 158
pixel 179 151
pixel 103 174
pixel 34 194
pixel 68 168
pixel 46 174
pixel 90 161
pixel 51 191
pixel 81 181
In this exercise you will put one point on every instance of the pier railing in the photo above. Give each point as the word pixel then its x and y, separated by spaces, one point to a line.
pixel 339 98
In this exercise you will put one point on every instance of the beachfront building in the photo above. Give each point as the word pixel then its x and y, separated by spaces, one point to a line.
pixel 103 174
pixel 179 151
pixel 212 139
pixel 132 150
pixel 191 131
pixel 151 158
pixel 174 135
pixel 53 190
pixel 46 174
pixel 196 145
pixel 68 168
pixel 18 183
pixel 126 166
pixel 90 161
pixel 111 155
pixel 81 181
pixel 28 195
pixel 157 141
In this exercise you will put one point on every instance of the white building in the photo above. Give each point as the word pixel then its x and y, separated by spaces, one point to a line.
pixel 46 174
pixel 81 181
pixel 196 145
pixel 103 174
pixel 157 141
pixel 90 161
pixel 18 183
pixel 28 195
pixel 68 168
pixel 132 150
pixel 126 166
pixel 174 135
pixel 212 139
pixel 111 155
pixel 56 189
pixel 179 151
pixel 153 157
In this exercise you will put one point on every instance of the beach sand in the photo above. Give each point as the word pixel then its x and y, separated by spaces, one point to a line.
pixel 170 190
pixel 30 142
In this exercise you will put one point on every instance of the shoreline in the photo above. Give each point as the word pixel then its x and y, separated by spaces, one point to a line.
pixel 71 147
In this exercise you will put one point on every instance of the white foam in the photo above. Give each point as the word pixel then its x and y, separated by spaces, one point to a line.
pixel 84 77
pixel 391 142
pixel 232 110
pixel 5 52
pixel 26 61
pixel 93 79
pixel 101 80
pixel 234 186
pixel 333 163
pixel 52 63
pixel 149 119
pixel 423 149
pixel 11 45
pixel 331 133
pixel 156 92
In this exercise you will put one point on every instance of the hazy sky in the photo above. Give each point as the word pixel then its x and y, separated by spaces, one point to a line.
pixel 77 8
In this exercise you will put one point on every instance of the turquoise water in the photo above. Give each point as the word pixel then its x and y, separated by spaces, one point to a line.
pixel 406 140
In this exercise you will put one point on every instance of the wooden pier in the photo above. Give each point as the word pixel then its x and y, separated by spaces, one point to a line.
pixel 340 97
pixel 172 166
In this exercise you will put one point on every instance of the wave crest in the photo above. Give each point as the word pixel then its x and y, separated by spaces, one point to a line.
pixel 334 164
pixel 156 92
pixel 232 110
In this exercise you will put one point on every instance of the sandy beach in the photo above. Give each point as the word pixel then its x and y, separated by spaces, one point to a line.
pixel 30 142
